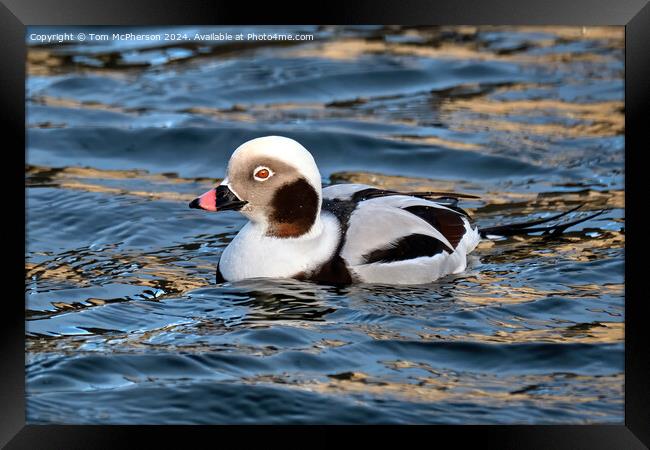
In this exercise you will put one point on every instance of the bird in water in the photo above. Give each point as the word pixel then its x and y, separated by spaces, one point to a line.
pixel 345 233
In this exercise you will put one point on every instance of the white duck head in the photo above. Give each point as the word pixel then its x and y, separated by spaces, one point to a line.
pixel 274 182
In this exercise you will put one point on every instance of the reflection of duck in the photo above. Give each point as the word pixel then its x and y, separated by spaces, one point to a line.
pixel 341 234
pixel 281 300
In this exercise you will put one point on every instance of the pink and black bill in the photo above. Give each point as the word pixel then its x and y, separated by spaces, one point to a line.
pixel 220 198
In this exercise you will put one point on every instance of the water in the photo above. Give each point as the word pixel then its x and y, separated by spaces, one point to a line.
pixel 125 323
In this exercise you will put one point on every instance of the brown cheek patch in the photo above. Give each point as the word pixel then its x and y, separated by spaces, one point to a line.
pixel 294 208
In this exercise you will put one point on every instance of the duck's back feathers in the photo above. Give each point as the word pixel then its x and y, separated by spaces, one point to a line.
pixel 393 237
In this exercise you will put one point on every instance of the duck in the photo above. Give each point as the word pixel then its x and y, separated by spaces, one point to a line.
pixel 343 233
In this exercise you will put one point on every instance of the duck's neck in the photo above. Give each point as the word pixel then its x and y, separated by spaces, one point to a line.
pixel 253 253
pixel 295 230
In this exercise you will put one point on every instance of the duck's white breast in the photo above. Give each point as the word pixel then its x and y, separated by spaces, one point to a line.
pixel 252 254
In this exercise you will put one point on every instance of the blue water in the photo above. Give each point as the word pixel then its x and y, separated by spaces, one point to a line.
pixel 125 323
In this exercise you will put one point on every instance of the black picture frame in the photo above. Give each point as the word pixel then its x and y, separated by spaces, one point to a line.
pixel 15 15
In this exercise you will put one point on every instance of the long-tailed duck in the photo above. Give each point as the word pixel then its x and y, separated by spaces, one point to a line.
pixel 344 233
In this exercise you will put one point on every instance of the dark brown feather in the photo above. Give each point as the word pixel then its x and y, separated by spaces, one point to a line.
pixel 449 223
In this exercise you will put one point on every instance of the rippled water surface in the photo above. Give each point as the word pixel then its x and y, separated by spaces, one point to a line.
pixel 125 323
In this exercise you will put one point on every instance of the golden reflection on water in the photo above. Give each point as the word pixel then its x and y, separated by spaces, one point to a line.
pixel 545 390
pixel 61 272
pixel 613 35
pixel 47 174
pixel 61 102
pixel 152 271
pixel 598 119
pixel 69 178
pixel 400 183
pixel 354 48
pixel 595 333
pixel 433 140
pixel 607 128
pixel 88 187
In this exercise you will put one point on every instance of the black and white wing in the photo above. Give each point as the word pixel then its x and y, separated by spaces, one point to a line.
pixel 393 237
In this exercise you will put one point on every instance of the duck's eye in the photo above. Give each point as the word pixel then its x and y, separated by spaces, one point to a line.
pixel 262 173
